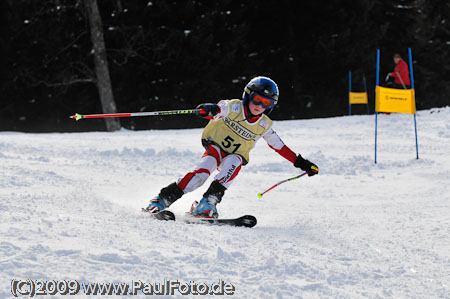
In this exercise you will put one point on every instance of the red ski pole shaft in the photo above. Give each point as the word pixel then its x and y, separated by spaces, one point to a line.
pixel 260 195
pixel 134 114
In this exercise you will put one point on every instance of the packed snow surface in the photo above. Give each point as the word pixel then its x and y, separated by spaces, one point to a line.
pixel 70 209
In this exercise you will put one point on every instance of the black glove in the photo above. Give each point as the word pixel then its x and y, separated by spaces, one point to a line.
pixel 208 110
pixel 308 167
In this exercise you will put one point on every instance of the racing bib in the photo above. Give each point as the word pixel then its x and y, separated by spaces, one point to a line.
pixel 233 133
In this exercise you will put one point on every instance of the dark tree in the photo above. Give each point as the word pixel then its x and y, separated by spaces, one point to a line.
pixel 101 64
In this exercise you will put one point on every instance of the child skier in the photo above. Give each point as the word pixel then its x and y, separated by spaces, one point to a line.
pixel 234 128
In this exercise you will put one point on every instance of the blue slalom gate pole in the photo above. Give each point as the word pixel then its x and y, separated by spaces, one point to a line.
pixel 412 86
pixel 378 67
pixel 411 68
pixel 349 90
pixel 376 113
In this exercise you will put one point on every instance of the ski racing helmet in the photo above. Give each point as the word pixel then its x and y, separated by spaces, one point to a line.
pixel 261 86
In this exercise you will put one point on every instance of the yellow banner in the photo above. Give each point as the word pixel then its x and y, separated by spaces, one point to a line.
pixel 395 100
pixel 358 98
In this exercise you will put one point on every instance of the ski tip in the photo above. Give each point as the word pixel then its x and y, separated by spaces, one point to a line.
pixel 260 195
pixel 162 215
pixel 248 221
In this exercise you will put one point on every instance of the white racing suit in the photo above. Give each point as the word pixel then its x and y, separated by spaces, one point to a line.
pixel 228 139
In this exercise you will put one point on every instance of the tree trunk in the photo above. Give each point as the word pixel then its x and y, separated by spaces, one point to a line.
pixel 119 5
pixel 101 64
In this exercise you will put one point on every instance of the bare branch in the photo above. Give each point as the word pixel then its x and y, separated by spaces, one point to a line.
pixel 65 48
pixel 66 83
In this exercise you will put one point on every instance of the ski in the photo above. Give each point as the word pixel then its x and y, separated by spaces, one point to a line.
pixel 162 215
pixel 246 220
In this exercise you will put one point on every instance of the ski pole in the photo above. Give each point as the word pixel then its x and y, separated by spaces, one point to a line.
pixel 401 80
pixel 133 114
pixel 260 195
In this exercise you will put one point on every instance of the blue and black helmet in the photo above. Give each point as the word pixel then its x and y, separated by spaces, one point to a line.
pixel 263 86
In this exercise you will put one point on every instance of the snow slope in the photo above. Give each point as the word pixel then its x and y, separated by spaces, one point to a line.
pixel 70 209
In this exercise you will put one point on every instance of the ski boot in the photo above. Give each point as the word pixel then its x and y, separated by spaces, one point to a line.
pixel 206 208
pixel 166 197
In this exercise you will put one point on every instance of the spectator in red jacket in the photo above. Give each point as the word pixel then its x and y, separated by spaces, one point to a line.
pixel 400 75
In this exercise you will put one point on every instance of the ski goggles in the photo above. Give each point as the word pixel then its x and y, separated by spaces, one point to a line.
pixel 258 99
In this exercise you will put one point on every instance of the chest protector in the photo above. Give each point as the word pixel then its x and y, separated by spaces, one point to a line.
pixel 233 134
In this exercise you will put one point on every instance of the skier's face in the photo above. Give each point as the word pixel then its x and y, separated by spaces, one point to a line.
pixel 396 60
pixel 256 109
